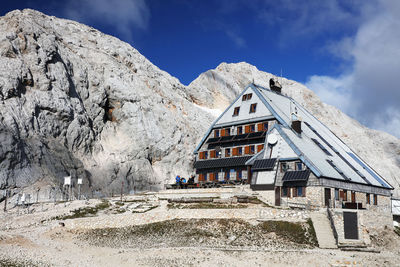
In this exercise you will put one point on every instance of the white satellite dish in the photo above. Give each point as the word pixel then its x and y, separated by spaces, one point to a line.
pixel 272 139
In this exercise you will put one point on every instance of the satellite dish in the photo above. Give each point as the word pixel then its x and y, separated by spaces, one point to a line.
pixel 272 139
pixel 218 149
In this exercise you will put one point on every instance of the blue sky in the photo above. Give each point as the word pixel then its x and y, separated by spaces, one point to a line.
pixel 347 51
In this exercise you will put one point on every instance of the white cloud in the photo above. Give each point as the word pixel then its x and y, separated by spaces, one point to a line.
pixel 122 15
pixel 371 82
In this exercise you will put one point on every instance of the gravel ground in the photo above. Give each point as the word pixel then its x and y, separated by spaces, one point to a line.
pixel 209 238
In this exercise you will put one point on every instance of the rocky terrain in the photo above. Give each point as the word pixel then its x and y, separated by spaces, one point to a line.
pixel 76 102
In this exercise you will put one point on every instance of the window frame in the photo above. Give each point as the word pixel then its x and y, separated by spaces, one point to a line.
pixel 227 152
pixel 236 111
pixel 253 108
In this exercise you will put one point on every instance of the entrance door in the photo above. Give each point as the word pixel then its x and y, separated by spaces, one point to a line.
pixel 327 196
pixel 277 196
pixel 350 225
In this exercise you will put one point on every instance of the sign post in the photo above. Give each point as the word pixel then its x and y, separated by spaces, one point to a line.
pixel 67 182
pixel 80 182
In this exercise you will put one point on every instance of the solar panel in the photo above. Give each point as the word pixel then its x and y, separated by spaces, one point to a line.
pixel 221 163
pixel 226 138
pixel 263 164
pixel 338 170
pixel 295 176
pixel 213 140
pixel 240 136
pixel 368 169
pixel 321 147
pixel 255 135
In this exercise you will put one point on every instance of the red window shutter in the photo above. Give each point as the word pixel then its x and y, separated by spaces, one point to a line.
pixel 247 129
pixel 235 151
pixel 201 177
pixel 260 127
pixel 222 132
pixel 212 154
pixel 247 149
pixel 260 147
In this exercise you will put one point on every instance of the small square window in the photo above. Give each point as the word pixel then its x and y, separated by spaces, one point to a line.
pixel 284 167
pixel 253 108
pixel 252 128
pixel 244 97
pixel 249 96
pixel 240 151
pixel 239 130
pixel 236 111
pixel 265 126
pixel 299 166
pixel 227 131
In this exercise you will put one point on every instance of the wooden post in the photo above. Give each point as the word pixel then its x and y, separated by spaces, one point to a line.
pixel 5 201
pixel 249 174
pixel 122 189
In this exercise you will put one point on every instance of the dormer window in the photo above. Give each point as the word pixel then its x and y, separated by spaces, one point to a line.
pixel 253 108
pixel 236 111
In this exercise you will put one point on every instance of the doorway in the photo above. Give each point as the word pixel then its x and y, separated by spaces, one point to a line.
pixel 327 196
pixel 350 225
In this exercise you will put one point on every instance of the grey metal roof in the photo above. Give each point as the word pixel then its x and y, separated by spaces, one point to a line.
pixel 321 150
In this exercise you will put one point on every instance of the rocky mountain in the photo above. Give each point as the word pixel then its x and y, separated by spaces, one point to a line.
pixel 76 102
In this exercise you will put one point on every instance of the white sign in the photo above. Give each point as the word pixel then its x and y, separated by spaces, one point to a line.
pixel 67 180
pixel 23 197
pixel 80 181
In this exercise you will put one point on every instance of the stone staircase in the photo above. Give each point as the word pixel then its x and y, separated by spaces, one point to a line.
pixel 323 229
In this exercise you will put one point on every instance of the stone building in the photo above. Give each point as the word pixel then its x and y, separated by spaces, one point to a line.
pixel 268 140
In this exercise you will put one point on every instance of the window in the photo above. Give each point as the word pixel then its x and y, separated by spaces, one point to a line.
pixel 239 174
pixel 284 191
pixel 375 199
pixel 227 152
pixel 205 154
pixel 239 130
pixel 253 108
pixel 284 166
pixel 236 111
pixel 260 147
pixel 300 191
pixel 252 150
pixel 265 124
pixel 299 166
pixel 216 176
pixel 344 195
pixel 353 197
pixel 336 194
pixel 249 96
pixel 252 128
pixel 216 133
pixel 227 131
pixel 240 151
pixel 227 175
pixel 213 154
pixel 246 97
pixel 368 199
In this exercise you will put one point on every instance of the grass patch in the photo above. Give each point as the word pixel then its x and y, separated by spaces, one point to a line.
pixel 294 232
pixel 85 212
pixel 397 230
pixel 206 205
pixel 203 233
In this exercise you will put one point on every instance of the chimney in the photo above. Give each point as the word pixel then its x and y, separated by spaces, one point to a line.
pixel 275 86
pixel 296 122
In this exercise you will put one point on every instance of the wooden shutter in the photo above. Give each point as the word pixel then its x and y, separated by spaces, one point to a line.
pixel 222 132
pixel 247 129
pixel 341 194
pixel 260 127
pixel 247 149
pixel 234 151
pixel 201 177
pixel 213 154
pixel 259 148
pixel 202 155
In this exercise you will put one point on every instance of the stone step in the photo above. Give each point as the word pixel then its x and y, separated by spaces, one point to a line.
pixel 323 229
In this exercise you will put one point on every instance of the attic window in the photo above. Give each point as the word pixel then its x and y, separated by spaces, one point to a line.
pixel 321 146
pixel 246 97
pixel 236 111
pixel 253 108
pixel 337 169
